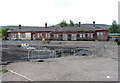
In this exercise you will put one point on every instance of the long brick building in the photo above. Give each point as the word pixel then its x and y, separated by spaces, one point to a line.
pixel 73 33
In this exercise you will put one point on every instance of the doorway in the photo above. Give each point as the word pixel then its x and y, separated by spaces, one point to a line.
pixel 32 36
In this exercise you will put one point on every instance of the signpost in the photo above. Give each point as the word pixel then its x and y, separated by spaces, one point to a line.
pixel 24 45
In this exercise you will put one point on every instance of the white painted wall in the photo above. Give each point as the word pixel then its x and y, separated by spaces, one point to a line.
pixel 19 35
pixel 28 35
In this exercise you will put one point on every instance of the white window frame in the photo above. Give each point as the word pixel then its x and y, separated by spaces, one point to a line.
pixel 47 35
pixel 91 35
pixel 98 33
pixel 13 35
pixel 40 35
pixel 81 35
pixel 56 36
pixel 84 35
pixel 22 35
pixel 74 37
pixel 101 33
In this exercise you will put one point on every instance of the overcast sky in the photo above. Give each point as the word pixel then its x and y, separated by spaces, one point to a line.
pixel 37 12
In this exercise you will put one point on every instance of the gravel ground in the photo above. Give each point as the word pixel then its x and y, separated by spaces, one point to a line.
pixel 102 63
pixel 12 77
pixel 70 68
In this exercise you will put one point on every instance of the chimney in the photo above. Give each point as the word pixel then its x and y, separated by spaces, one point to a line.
pixel 93 23
pixel 19 27
pixel 45 25
pixel 79 24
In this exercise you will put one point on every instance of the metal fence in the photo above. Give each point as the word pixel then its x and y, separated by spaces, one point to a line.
pixel 34 55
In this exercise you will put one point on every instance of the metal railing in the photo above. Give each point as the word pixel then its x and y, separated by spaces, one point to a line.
pixel 36 55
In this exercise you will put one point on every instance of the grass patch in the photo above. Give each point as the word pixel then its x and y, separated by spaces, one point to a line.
pixel 4 71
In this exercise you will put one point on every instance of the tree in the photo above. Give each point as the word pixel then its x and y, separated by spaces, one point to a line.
pixel 63 23
pixel 4 32
pixel 76 24
pixel 71 23
pixel 114 28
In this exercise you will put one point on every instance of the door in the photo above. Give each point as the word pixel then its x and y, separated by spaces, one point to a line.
pixel 73 37
pixel 65 37
pixel 32 36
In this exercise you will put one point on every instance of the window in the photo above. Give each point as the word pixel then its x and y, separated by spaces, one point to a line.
pixel 22 35
pixel 74 37
pixel 98 33
pixel 40 35
pixel 101 33
pixel 47 35
pixel 113 38
pixel 13 35
pixel 81 35
pixel 55 35
pixel 89 35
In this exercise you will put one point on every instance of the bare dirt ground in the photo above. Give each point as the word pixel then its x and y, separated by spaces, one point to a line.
pixel 102 65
